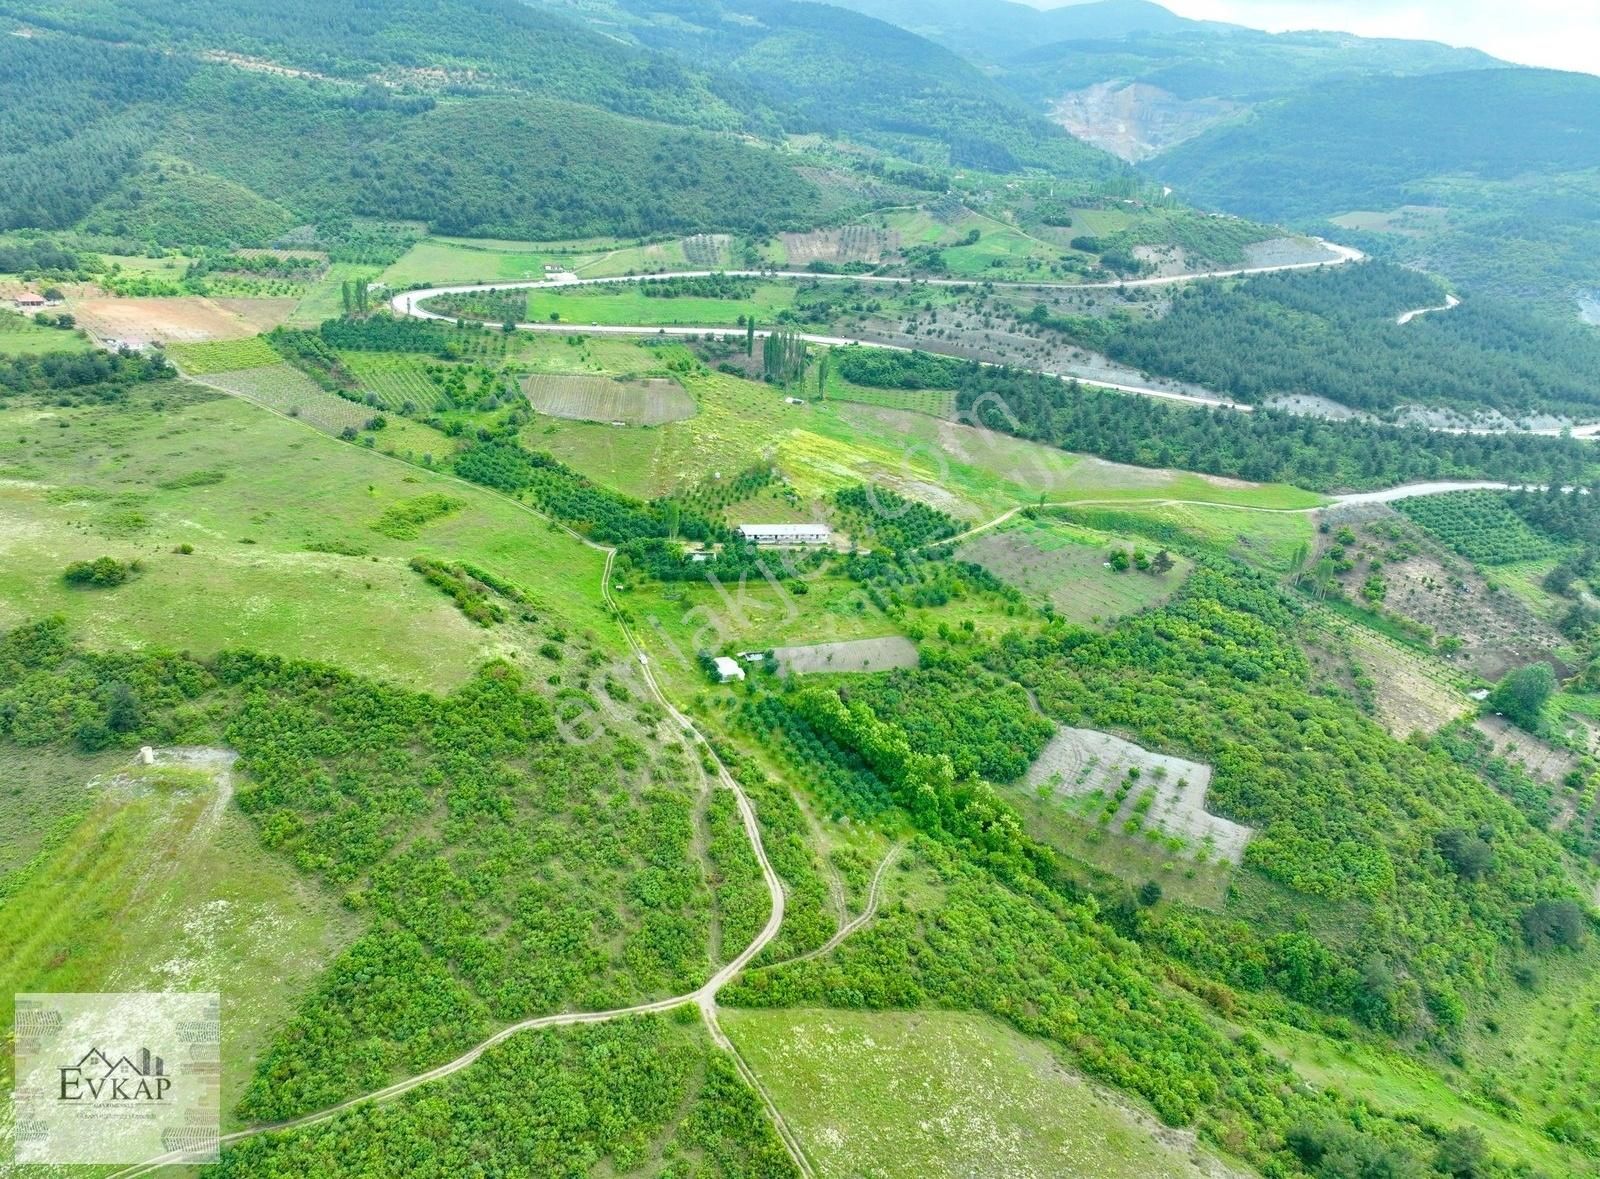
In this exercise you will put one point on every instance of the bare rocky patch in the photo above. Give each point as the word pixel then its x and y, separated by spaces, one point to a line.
pixel 1133 792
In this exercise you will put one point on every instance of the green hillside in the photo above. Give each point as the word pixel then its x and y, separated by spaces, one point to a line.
pixel 1372 144
pixel 165 148
pixel 444 46
pixel 1506 162
pixel 825 69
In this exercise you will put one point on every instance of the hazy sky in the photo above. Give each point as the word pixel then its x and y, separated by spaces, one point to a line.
pixel 1564 34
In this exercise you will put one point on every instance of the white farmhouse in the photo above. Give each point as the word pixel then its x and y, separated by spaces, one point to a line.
pixel 786 533
pixel 728 670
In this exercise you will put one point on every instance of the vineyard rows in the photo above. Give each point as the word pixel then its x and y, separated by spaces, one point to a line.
pixel 396 379
pixel 287 390
pixel 220 356
pixel 601 399
pixel 939 403
pixel 1479 525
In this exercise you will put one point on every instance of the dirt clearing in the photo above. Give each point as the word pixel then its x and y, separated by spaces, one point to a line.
pixel 262 314
pixel 852 243
pixel 140 322
pixel 857 655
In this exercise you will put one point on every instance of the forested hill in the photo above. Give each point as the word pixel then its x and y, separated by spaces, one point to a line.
pixel 1377 142
pixel 444 45
pixel 1333 334
pixel 1491 177
pixel 827 69
pixel 999 29
pixel 478 117
pixel 134 143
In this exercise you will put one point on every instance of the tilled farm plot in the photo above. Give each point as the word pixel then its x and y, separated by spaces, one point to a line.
pixel 1118 785
pixel 852 243
pixel 179 320
pixel 857 655
pixel 652 402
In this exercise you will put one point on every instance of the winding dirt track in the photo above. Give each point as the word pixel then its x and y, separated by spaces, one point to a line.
pixel 874 898
pixel 705 997
pixel 1450 304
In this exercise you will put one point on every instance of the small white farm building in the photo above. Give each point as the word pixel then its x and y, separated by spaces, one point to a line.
pixel 786 533
pixel 728 670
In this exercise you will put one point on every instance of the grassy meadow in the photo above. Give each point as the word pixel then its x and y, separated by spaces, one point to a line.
pixel 257 496
pixel 20 336
pixel 914 1095
pixel 1068 567
pixel 155 882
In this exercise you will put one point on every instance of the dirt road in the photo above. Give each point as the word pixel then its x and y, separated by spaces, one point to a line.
pixel 705 998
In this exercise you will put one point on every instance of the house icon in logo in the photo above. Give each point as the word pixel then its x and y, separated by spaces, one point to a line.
pixel 99 1077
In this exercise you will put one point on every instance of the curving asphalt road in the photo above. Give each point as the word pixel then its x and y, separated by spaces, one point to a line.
pixel 409 303
pixel 1341 255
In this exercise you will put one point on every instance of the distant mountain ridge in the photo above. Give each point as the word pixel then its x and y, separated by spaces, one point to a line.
pixel 1369 143
pixel 1491 177
pixel 1000 29
pixel 1134 78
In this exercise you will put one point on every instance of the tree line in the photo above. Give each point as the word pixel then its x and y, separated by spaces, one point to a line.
pixel 1264 446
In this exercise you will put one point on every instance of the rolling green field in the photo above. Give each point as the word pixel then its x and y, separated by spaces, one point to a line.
pixel 998 242
pixel 233 482
pixel 1269 539
pixel 909 1095
pixel 1067 567
pixel 474 260
pixel 19 335
pixel 156 882
pixel 324 299
pixel 824 446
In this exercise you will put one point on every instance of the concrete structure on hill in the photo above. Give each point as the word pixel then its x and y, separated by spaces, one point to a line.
pixel 728 670
pixel 786 533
